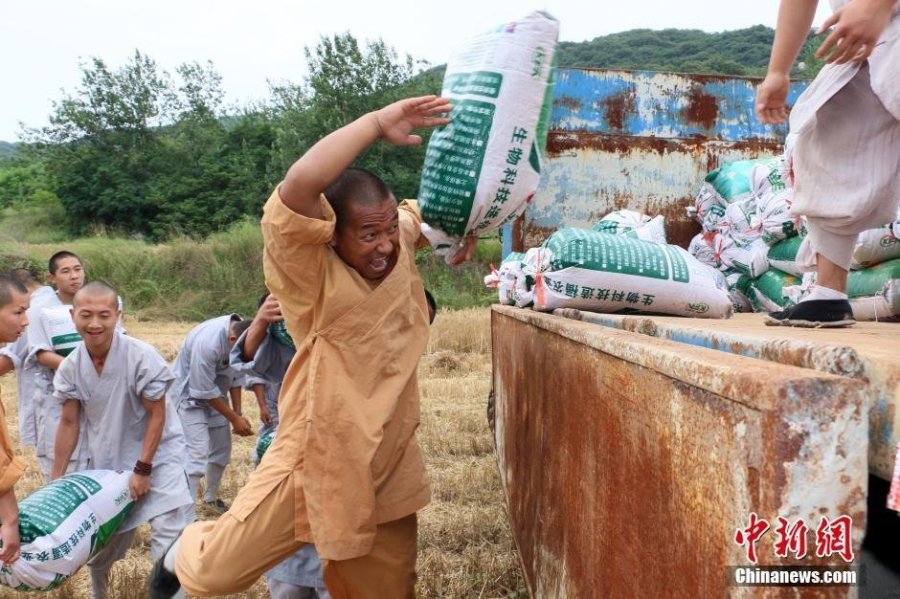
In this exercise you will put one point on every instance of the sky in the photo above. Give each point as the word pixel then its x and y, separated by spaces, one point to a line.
pixel 44 42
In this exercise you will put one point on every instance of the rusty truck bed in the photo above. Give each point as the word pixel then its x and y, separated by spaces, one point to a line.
pixel 632 452
pixel 868 351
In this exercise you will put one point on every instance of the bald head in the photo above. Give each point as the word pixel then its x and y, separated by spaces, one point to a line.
pixel 26 277
pixel 96 290
pixel 10 288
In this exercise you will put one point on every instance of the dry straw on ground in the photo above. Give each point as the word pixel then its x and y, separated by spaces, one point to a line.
pixel 465 546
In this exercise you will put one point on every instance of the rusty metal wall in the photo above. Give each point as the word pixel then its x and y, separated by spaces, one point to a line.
pixel 866 352
pixel 629 462
pixel 640 140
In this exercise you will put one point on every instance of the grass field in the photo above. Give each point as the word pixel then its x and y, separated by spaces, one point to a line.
pixel 465 547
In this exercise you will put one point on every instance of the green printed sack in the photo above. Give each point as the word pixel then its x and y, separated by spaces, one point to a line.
pixel 64 524
pixel 588 270
pixel 263 444
pixel 633 224
pixel 877 245
pixel 483 167
pixel 60 329
pixel 783 256
pixel 733 181
pixel 279 332
pixel 770 291
pixel 871 281
pixel 881 306
pixel 504 278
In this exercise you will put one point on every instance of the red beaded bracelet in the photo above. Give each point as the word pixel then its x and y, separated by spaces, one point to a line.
pixel 143 468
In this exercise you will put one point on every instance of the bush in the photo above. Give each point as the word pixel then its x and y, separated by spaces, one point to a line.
pixel 192 280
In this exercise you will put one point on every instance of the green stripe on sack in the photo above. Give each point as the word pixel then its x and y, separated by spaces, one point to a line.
pixel 453 163
pixel 872 280
pixel 603 252
pixel 48 507
pixel 64 344
pixel 107 530
pixel 785 251
pixel 513 257
pixel 772 283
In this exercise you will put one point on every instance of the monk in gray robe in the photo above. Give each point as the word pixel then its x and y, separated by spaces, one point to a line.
pixel 119 383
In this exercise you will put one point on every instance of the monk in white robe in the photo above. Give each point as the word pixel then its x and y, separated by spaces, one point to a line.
pixel 119 383
pixel 50 331
pixel 846 150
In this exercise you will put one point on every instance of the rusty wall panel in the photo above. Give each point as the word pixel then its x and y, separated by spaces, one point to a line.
pixel 629 462
pixel 641 140
pixel 867 352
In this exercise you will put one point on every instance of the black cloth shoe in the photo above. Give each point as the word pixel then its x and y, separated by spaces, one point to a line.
pixel 162 584
pixel 218 506
pixel 814 314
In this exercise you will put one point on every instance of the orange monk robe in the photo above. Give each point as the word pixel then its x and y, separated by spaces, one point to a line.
pixel 11 467
pixel 350 399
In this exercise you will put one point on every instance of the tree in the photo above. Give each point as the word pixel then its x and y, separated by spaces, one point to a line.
pixel 345 81
pixel 101 140
pixel 135 151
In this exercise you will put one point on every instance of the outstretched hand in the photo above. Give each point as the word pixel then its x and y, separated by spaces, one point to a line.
pixel 465 252
pixel 396 121
pixel 771 98
pixel 856 29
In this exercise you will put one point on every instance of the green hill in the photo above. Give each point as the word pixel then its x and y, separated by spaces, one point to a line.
pixel 740 52
pixel 7 149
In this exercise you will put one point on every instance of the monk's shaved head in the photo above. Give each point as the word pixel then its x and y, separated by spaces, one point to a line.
pixel 97 289
pixel 9 287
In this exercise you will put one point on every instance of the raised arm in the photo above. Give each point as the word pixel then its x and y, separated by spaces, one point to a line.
pixel 268 312
pixel 321 165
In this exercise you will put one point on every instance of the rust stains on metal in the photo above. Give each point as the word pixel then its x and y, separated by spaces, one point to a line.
pixel 640 451
pixel 531 236
pixel 702 108
pixel 566 142
pixel 569 102
pixel 680 228
pixel 618 107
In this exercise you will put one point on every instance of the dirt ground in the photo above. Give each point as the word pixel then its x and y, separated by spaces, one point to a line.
pixel 465 546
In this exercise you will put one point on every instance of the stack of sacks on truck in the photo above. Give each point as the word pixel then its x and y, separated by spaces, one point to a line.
pixel 620 271
pixel 873 283
pixel 743 208
pixel 749 234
